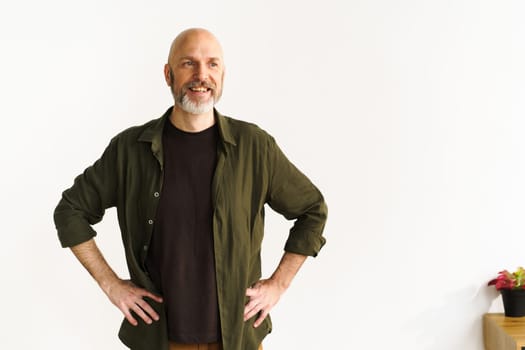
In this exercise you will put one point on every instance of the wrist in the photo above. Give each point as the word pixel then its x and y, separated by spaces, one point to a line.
pixel 108 284
pixel 281 283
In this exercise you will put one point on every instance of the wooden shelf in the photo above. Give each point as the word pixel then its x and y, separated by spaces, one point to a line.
pixel 503 333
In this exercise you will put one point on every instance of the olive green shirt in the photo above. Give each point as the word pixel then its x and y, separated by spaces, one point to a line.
pixel 251 171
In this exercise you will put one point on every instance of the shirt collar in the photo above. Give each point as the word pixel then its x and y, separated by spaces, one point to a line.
pixel 153 133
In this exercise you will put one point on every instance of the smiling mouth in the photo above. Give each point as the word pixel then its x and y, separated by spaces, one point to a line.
pixel 200 89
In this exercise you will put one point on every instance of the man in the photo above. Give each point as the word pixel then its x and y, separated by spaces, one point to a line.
pixel 190 189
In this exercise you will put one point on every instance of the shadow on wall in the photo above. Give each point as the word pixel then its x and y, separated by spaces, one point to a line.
pixel 456 322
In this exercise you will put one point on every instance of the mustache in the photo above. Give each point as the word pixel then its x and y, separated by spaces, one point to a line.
pixel 198 83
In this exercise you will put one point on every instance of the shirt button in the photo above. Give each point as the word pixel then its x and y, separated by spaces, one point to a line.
pixel 145 247
pixel 156 194
pixel 150 222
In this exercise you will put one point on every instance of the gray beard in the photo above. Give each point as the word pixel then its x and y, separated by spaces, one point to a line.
pixel 192 107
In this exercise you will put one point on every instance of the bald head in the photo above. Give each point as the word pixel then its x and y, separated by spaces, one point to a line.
pixel 194 38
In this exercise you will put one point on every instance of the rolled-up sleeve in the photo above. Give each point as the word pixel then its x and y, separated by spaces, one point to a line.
pixel 294 196
pixel 84 204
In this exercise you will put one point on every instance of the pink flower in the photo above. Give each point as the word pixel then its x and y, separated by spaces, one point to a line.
pixel 508 280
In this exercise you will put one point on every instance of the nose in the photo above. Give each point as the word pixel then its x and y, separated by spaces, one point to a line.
pixel 201 72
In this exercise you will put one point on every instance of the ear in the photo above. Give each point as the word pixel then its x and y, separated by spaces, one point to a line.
pixel 167 74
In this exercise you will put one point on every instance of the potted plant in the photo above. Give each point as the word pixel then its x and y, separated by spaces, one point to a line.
pixel 512 288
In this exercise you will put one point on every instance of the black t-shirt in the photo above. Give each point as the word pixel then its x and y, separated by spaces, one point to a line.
pixel 181 256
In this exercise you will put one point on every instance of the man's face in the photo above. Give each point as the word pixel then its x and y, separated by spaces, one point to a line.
pixel 195 72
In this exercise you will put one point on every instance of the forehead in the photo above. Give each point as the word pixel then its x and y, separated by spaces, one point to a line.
pixel 200 45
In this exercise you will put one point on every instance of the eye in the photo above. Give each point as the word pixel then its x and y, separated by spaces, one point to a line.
pixel 214 64
pixel 187 63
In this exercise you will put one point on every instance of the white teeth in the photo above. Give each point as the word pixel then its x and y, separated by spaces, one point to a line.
pixel 200 89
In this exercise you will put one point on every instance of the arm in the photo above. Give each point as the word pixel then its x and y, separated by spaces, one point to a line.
pixel 82 206
pixel 123 294
pixel 266 293
pixel 291 194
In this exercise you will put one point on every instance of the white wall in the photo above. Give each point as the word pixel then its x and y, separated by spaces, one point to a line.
pixel 407 114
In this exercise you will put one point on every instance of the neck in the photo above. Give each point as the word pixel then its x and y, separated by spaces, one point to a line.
pixel 191 122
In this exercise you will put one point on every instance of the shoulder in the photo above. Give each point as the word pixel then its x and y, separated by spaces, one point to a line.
pixel 244 131
pixel 144 132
